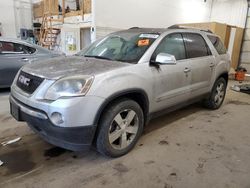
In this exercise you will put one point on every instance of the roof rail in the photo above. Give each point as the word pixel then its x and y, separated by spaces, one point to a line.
pixel 134 28
pixel 188 27
pixel 174 27
pixel 206 30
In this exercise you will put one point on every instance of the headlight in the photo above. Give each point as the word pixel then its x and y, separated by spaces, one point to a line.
pixel 69 87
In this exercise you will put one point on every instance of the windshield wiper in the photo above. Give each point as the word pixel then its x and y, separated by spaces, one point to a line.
pixel 98 57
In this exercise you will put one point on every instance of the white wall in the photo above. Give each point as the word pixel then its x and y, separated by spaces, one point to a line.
pixel 7 18
pixel 23 15
pixel 15 14
pixel 122 14
pixel 232 12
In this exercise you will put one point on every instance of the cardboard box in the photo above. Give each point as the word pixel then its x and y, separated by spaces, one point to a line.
pixel 237 47
pixel 51 7
pixel 38 9
pixel 87 6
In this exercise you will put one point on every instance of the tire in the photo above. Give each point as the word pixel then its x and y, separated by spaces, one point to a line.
pixel 217 95
pixel 120 127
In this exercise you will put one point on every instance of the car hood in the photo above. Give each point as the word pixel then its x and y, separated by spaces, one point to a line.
pixel 68 66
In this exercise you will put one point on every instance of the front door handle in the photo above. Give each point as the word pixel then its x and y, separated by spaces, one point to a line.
pixel 212 65
pixel 186 70
pixel 25 59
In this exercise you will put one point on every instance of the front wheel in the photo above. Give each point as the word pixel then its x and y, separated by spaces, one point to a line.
pixel 120 128
pixel 217 95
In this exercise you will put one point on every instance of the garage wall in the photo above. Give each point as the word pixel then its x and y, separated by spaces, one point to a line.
pixel 23 15
pixel 231 12
pixel 111 15
pixel 14 15
pixel 7 18
pixel 245 51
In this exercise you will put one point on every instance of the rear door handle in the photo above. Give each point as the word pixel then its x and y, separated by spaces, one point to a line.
pixel 186 70
pixel 25 59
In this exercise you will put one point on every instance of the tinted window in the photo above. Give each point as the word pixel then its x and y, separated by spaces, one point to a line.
pixel 9 47
pixel 172 44
pixel 6 47
pixel 217 44
pixel 29 50
pixel 196 45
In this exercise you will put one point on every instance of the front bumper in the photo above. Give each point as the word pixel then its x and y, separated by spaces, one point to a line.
pixel 72 138
pixel 75 111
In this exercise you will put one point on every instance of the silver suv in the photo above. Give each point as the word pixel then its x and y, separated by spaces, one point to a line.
pixel 106 94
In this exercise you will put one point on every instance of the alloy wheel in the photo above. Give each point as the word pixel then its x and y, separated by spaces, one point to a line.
pixel 123 129
pixel 219 94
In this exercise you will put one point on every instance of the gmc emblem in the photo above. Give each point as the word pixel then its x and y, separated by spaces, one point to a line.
pixel 25 81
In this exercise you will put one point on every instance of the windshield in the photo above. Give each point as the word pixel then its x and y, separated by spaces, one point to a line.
pixel 122 46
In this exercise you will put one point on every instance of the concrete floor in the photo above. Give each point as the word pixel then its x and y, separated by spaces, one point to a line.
pixel 192 147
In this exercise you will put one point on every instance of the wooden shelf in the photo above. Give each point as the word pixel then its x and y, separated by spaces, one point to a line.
pixel 74 13
pixel 50 7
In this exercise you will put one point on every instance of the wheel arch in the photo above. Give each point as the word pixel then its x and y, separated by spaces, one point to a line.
pixel 138 95
pixel 222 75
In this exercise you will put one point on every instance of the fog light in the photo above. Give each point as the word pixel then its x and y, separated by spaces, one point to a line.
pixel 56 118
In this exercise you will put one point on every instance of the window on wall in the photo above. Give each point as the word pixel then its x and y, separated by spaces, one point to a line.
pixel 172 44
pixel 219 46
pixel 196 45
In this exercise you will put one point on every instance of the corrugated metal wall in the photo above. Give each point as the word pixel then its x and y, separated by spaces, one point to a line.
pixel 245 51
pixel 231 12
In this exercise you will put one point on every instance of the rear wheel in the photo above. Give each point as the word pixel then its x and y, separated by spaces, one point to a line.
pixel 120 128
pixel 217 95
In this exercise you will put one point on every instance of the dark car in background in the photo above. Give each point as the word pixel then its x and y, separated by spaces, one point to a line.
pixel 15 53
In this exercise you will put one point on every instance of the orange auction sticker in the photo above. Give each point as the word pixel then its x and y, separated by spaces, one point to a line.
pixel 143 42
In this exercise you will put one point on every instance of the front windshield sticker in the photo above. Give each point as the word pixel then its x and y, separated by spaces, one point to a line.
pixel 144 42
pixel 150 36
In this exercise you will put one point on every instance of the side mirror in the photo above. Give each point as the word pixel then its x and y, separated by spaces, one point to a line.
pixel 165 59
